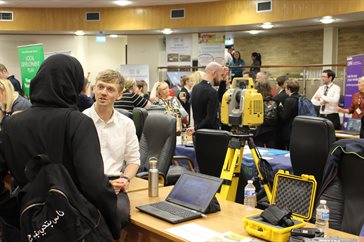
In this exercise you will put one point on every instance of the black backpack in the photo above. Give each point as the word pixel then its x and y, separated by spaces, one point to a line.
pixel 52 208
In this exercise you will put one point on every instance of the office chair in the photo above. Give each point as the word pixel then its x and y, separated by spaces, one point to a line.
pixel 342 185
pixel 159 140
pixel 310 143
pixel 139 117
pixel 125 112
pixel 210 147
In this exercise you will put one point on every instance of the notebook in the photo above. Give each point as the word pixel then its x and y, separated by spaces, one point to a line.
pixel 189 198
pixel 353 126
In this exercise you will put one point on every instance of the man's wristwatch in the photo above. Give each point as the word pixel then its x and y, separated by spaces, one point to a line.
pixel 125 177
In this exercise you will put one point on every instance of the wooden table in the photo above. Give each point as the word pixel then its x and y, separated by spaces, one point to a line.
pixel 144 227
pixel 137 184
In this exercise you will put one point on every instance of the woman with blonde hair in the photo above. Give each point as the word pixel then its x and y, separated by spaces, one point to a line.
pixel 160 96
pixel 197 77
pixel 10 100
pixel 184 95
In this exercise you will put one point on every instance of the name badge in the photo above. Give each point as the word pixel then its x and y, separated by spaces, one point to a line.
pixel 358 111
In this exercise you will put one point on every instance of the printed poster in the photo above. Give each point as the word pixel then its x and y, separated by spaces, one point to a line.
pixel 211 47
pixel 179 50
pixel 136 71
pixel 354 70
pixel 30 57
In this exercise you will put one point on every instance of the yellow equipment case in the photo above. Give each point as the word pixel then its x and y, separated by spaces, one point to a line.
pixel 297 193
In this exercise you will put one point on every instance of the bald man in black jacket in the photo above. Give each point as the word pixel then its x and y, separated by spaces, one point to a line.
pixel 205 99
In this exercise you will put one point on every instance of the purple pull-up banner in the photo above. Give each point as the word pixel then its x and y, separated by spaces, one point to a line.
pixel 354 70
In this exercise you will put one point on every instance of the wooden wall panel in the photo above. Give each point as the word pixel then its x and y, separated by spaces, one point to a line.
pixel 221 13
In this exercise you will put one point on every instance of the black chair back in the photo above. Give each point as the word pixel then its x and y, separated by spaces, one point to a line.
pixel 310 143
pixel 139 117
pixel 210 147
pixel 125 112
pixel 343 189
pixel 158 140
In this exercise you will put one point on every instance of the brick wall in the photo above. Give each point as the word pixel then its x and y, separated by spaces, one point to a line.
pixel 295 48
pixel 351 42
pixel 300 48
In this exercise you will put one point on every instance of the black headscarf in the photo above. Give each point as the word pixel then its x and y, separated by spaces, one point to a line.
pixel 58 82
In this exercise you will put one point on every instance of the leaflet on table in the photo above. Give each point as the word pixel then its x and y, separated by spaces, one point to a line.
pixel 193 232
pixel 232 237
pixel 197 233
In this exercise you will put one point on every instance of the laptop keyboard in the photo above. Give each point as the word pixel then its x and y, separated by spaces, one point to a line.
pixel 177 211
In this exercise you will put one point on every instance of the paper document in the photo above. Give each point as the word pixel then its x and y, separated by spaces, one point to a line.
pixel 193 232
pixel 232 237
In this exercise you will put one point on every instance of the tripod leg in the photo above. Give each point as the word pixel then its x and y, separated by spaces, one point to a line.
pixel 230 173
pixel 256 158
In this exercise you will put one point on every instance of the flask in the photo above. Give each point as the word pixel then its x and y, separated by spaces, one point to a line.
pixel 153 178
pixel 322 217
pixel 250 198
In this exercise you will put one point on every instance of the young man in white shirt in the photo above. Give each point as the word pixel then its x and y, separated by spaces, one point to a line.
pixel 118 140
pixel 327 97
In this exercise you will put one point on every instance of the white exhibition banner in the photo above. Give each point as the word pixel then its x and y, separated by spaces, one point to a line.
pixel 136 71
pixel 179 50
pixel 211 47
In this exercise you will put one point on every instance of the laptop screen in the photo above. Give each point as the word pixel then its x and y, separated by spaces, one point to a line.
pixel 353 124
pixel 195 191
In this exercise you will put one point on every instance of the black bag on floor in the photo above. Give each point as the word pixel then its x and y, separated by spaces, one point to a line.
pixel 52 208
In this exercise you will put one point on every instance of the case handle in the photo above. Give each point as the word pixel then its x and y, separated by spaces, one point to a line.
pixel 250 230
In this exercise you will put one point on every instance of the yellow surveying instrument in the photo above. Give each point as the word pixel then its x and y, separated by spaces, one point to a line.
pixel 241 107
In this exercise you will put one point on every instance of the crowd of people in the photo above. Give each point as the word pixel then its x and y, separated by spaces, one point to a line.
pixel 101 150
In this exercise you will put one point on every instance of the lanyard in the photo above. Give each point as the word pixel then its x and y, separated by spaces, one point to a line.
pixel 168 104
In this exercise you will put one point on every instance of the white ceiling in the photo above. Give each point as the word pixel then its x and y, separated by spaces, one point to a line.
pixel 90 3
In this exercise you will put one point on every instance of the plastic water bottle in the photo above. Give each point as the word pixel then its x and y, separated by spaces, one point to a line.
pixel 250 197
pixel 153 178
pixel 322 217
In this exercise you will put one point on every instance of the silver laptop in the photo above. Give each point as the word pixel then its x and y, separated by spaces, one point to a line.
pixel 353 126
pixel 189 198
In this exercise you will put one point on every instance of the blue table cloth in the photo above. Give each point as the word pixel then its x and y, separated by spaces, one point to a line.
pixel 279 159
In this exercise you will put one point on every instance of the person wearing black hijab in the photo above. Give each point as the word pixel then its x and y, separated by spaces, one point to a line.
pixel 54 126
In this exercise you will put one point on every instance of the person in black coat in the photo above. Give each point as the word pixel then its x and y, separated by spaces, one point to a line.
pixel 53 119
pixel 280 97
pixel 205 99
pixel 288 111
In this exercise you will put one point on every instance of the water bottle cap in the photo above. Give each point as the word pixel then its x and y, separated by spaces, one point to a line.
pixel 323 202
pixel 250 181
pixel 153 162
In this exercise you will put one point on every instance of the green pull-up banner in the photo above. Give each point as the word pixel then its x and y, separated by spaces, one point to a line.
pixel 30 57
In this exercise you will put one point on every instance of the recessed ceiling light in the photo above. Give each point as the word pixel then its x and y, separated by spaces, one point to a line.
pixel 327 20
pixel 2 2
pixel 267 25
pixel 113 35
pixel 123 3
pixel 79 33
pixel 167 31
pixel 254 31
